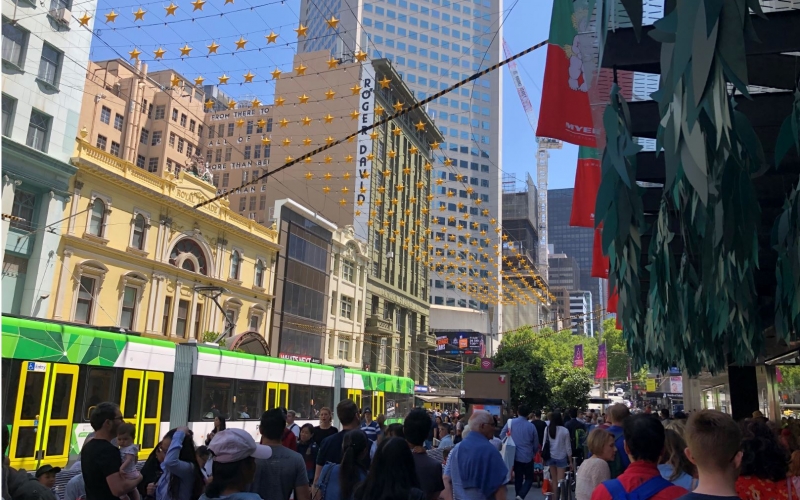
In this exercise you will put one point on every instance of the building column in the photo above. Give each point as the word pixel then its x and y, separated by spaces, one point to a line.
pixel 44 253
pixel 9 187
pixel 190 320
pixel 152 302
pixel 63 283
pixel 73 209
pixel 175 301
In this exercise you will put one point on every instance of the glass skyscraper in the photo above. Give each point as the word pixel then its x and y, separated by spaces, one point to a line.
pixel 434 44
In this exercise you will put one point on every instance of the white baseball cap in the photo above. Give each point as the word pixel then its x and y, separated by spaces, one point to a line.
pixel 232 445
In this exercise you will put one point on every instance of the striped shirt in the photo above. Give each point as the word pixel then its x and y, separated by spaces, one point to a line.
pixel 372 430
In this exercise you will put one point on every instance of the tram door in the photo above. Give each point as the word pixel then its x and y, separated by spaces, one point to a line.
pixel 277 395
pixel 378 403
pixel 43 415
pixel 140 404
pixel 354 395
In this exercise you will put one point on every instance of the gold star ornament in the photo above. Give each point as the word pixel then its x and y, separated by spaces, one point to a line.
pixel 111 16
pixel 241 43
pixel 139 15
pixel 332 62
pixel 276 74
pixel 198 4
pixel 301 30
pixel 159 53
pixel 223 80
pixel 332 22
pixel 248 78
pixel 271 37
pixel 84 20
pixel 300 70
pixel 385 82
pixel 199 81
pixel 212 49
pixel 135 53
pixel 171 9
pixel 185 50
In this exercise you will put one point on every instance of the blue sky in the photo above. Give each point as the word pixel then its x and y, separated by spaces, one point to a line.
pixel 253 19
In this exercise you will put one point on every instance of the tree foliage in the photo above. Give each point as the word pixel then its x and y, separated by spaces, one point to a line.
pixel 528 382
pixel 569 386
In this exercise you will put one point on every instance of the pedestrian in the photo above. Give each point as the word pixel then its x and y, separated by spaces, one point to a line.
pixel 594 470
pixel 151 471
pixel 331 449
pixel 325 427
pixel 577 432
pixel 338 481
pixel 75 488
pixel 203 456
pixel 394 430
pixel 794 472
pixel 182 478
pixel 618 414
pixel 674 466
pixel 370 427
pixel 289 440
pixel 764 465
pixel 445 440
pixel 526 440
pixel 475 467
pixel 428 470
pixel 557 441
pixel 219 425
pixel 22 486
pixel 46 475
pixel 539 424
pixel 392 475
pixel 665 419
pixel 235 453
pixel 714 446
pixel 290 416
pixel 308 448
pixel 284 471
pixel 129 453
pixel 100 460
pixel 644 442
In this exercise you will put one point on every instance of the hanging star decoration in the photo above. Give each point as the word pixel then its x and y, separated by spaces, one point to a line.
pixel 135 53
pixel 398 106
pixel 175 81
pixel 159 53
pixel 279 101
pixel 199 81
pixel 303 99
pixel 198 4
pixel 171 8
pixel 84 20
pixel 328 118
pixel 261 123
pixel 420 126
pixel 355 89
pixel 434 145
pixel 266 141
pixel 255 103
pixel 300 70
pixel 306 121
pixel 301 30
pixel 379 109
pixel 212 49
pixel 185 50
pixel 139 15
pixel 248 78
pixel 223 80
pixel 209 104
pixel 276 74
pixel 231 104
pixel 111 16
pixel 283 122
pixel 271 37
pixel 241 43
pixel 332 62
pixel 385 82
pixel 360 56
pixel 307 141
pixel 332 22
pixel 329 94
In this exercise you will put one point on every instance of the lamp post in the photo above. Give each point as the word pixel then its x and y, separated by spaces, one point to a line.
pixel 213 293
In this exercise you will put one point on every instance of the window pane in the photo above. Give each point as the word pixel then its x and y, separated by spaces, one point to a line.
pixel 13 43
pixel 100 385
pixel 249 400
pixel 48 66
pixel 216 396
pixel 37 131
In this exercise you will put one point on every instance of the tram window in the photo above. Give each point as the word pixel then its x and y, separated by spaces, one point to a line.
pixel 307 400
pixel 151 398
pixel 216 398
pixel 99 388
pixel 56 439
pixel 32 398
pixel 59 408
pixel 131 399
pixel 249 400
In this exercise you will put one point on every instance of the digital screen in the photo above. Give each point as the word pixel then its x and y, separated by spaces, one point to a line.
pixel 457 343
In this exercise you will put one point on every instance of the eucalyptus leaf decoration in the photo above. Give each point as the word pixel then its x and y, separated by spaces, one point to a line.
pixel 619 207
pixel 702 305
pixel 786 236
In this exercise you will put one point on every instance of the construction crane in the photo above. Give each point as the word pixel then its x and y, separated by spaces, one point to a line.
pixel 542 159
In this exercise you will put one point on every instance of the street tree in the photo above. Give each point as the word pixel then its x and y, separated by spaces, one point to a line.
pixel 528 382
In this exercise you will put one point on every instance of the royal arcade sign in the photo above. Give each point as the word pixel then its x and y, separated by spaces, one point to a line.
pixel 366 106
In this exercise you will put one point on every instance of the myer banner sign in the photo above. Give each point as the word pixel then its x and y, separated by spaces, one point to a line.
pixel 366 106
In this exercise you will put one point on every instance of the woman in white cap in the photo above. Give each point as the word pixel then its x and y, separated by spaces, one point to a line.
pixel 234 465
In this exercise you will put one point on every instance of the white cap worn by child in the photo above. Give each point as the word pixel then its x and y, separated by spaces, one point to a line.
pixel 232 445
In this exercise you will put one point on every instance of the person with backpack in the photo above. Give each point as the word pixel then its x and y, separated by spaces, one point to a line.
pixel 618 414
pixel 577 433
pixel 644 443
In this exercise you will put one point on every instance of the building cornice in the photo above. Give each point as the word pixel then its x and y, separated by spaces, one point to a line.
pixel 20 161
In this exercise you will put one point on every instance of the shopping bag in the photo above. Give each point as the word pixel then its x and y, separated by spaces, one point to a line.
pixel 509 452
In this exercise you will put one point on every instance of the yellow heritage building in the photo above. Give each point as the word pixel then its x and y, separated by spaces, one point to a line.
pixel 134 250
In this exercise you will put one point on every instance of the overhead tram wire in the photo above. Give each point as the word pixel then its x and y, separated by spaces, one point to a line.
pixel 383 121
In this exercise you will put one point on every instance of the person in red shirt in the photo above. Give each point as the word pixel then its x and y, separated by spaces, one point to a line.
pixel 644 444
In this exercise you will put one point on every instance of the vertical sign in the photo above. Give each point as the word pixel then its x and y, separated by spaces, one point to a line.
pixel 366 105
pixel 602 363
pixel 577 358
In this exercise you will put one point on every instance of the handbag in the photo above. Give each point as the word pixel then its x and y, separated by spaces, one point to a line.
pixel 546 447
pixel 509 451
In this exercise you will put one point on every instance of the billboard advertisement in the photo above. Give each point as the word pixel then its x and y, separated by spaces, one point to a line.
pixel 460 343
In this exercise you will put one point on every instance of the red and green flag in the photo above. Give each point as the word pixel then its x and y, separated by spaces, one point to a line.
pixel 565 112
pixel 587 183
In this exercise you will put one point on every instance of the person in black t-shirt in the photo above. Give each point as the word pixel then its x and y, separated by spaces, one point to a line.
pixel 100 460
pixel 331 448
pixel 713 442
pixel 539 424
pixel 324 429
pixel 429 471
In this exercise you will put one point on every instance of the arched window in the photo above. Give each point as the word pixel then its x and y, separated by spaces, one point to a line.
pixel 260 268
pixel 137 240
pixel 236 264
pixel 187 254
pixel 97 218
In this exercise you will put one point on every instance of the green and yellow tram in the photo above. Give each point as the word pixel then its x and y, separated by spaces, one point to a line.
pixel 54 373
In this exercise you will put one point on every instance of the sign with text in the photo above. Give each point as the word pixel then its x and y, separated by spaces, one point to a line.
pixel 366 106
pixel 297 357
pixel 459 343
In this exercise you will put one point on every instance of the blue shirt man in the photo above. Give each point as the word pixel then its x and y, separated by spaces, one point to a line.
pixel 475 467
pixel 526 440
pixel 370 427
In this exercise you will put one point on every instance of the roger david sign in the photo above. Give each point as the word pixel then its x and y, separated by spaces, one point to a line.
pixel 366 106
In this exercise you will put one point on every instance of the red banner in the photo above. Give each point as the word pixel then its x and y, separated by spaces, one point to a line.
pixel 613 298
pixel 602 363
pixel 577 358
pixel 600 262
pixel 587 182
pixel 565 112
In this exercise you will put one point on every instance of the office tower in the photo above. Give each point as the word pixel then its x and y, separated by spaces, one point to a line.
pixel 564 272
pixel 580 308
pixel 42 92
pixel 576 242
pixel 433 44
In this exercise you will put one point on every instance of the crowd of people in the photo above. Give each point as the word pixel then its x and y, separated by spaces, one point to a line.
pixel 432 456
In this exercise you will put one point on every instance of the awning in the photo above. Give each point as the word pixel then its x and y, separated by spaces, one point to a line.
pixel 438 399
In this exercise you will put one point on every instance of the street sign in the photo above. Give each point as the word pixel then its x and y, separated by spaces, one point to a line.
pixel 664 395
pixel 36 367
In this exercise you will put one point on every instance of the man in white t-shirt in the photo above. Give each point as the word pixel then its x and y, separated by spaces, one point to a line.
pixel 290 415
